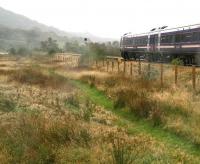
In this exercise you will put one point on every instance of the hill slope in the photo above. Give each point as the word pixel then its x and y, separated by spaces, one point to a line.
pixel 16 21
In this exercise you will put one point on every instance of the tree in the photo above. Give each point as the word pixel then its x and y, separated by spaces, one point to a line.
pixel 12 51
pixel 50 46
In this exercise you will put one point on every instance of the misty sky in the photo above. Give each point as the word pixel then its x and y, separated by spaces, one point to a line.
pixel 108 18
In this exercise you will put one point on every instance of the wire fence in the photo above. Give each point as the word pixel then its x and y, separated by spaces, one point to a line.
pixel 165 74
pixel 188 76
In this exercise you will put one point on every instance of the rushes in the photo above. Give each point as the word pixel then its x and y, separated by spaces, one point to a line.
pixel 35 75
pixel 121 153
pixel 173 109
pixel 34 138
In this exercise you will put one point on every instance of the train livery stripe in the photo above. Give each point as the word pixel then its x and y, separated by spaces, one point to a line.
pixel 166 46
pixel 142 47
pixel 191 46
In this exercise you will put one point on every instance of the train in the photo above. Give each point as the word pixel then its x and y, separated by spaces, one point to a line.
pixel 163 44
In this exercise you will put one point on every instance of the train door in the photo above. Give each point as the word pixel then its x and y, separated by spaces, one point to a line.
pixel 153 42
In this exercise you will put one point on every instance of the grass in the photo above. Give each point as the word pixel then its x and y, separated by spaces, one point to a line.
pixel 48 118
pixel 138 126
pixel 173 108
pixel 36 139
pixel 7 105
pixel 35 75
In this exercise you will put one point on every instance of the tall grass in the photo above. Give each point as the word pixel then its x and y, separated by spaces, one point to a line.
pixel 35 75
pixel 33 138
pixel 146 100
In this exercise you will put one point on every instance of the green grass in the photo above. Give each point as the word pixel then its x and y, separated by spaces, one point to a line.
pixel 135 125
pixel 7 105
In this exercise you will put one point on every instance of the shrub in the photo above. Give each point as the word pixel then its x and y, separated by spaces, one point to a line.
pixel 34 75
pixel 121 153
pixel 6 105
pixel 140 103
pixel 73 100
pixel 151 74
pixel 120 101
pixel 34 138
pixel 156 115
pixel 177 61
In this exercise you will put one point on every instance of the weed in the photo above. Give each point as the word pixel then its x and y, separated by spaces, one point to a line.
pixel 156 115
pixel 87 111
pixel 73 100
pixel 6 105
pixel 150 73
pixel 37 76
pixel 121 153
pixel 120 101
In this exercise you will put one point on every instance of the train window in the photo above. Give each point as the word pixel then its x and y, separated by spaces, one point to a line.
pixel 133 41
pixel 167 39
pixel 196 36
pixel 163 39
pixel 177 38
pixel 187 37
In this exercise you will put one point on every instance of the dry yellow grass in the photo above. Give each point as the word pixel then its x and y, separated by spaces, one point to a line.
pixel 45 124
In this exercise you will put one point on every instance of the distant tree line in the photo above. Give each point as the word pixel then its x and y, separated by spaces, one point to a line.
pixel 97 50
pixel 51 46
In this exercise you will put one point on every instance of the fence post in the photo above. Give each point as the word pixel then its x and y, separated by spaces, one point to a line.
pixel 176 74
pixel 107 63
pixel 194 77
pixel 103 62
pixel 131 68
pixel 161 74
pixel 149 70
pixel 118 66
pixel 112 65
pixel 139 67
pixel 124 67
pixel 96 63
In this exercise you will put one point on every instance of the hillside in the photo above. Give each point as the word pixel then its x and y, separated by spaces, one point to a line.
pixel 29 38
pixel 18 26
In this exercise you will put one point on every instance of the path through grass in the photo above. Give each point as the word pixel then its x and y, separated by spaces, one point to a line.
pixel 137 125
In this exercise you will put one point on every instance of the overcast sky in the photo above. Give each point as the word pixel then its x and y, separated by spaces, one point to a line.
pixel 108 18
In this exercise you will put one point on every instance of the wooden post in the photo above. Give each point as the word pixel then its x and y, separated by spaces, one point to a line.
pixel 161 74
pixel 194 77
pixel 103 62
pixel 124 67
pixel 176 74
pixel 131 68
pixel 107 63
pixel 96 63
pixel 118 66
pixel 112 65
pixel 149 70
pixel 139 67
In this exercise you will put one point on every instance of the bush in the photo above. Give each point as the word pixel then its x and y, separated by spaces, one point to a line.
pixel 87 110
pixel 6 105
pixel 35 138
pixel 140 103
pixel 156 115
pixel 119 102
pixel 121 153
pixel 34 75
pixel 177 61
pixel 73 100
pixel 151 74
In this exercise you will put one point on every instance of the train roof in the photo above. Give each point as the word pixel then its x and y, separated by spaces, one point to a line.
pixel 164 29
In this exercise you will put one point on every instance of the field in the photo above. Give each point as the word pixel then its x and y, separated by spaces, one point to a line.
pixel 61 112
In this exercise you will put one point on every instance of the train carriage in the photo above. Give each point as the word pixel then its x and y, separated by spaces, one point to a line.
pixel 164 44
